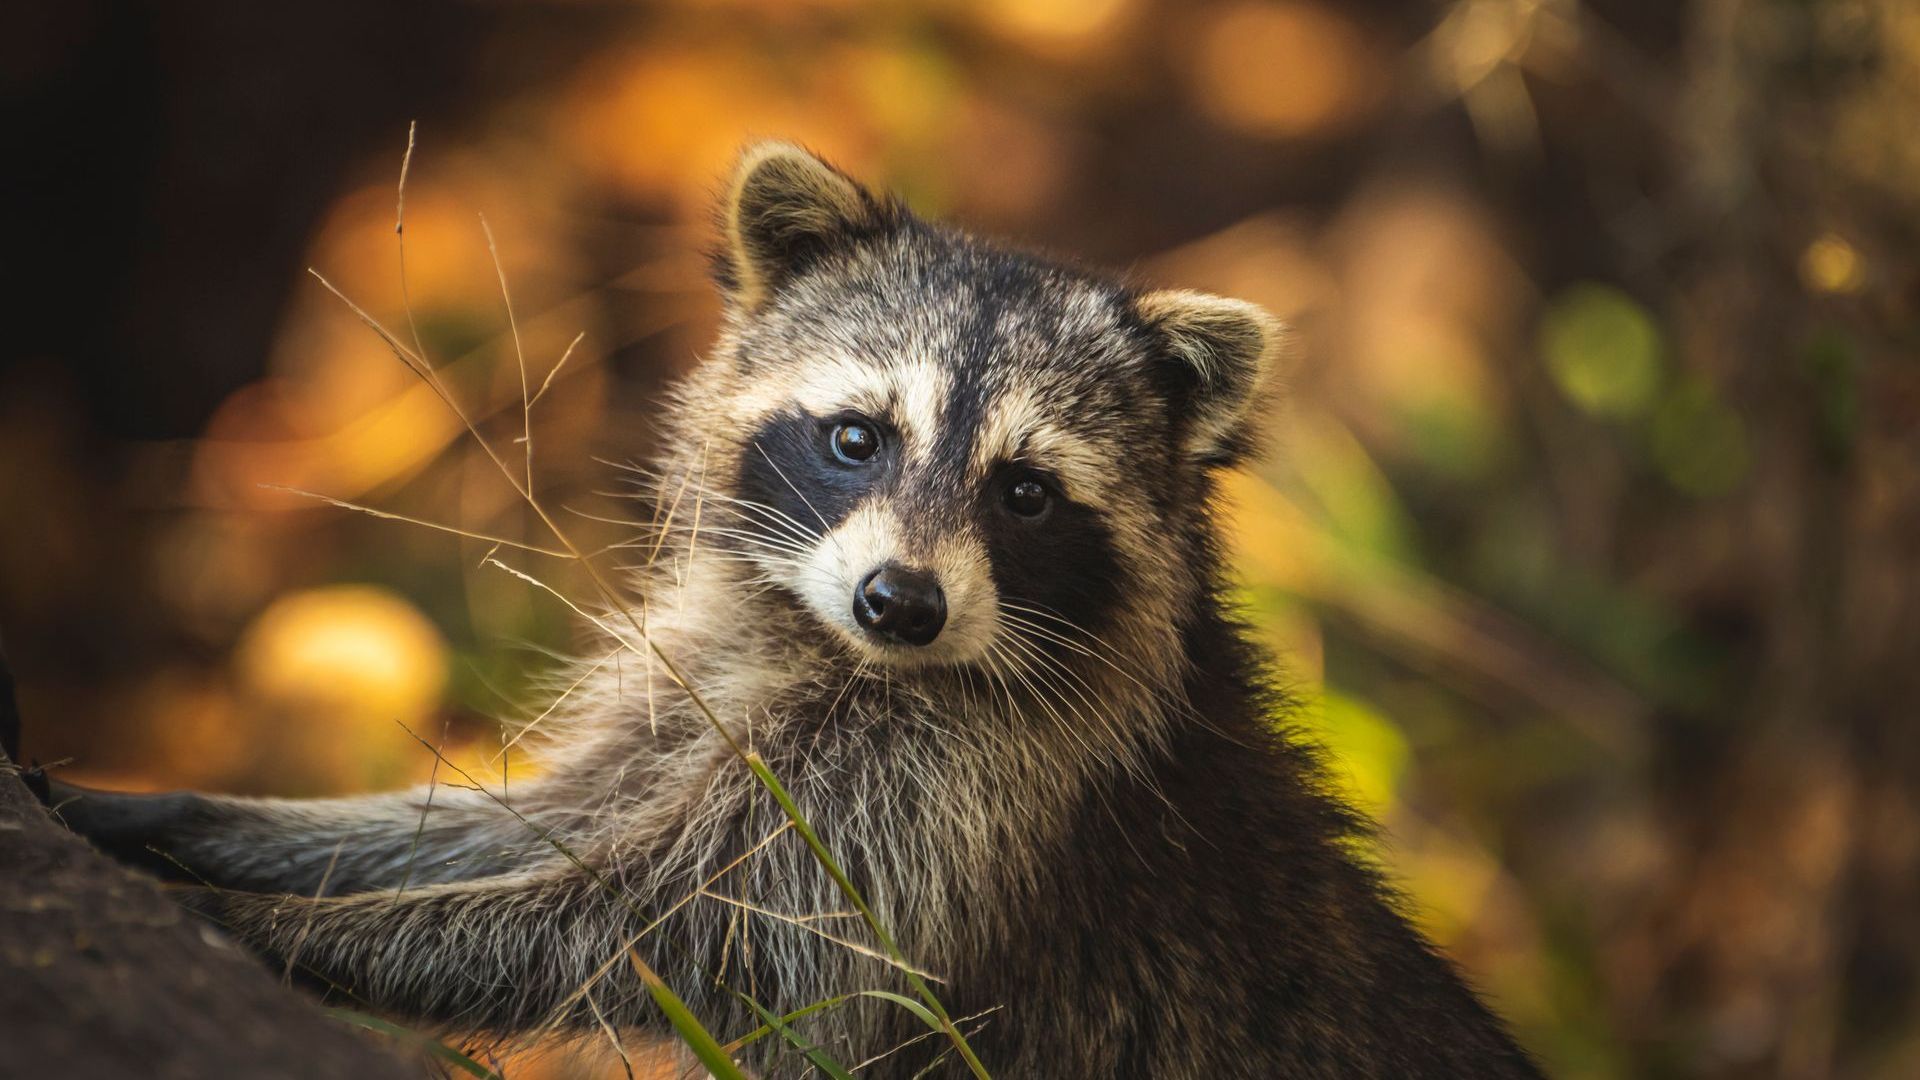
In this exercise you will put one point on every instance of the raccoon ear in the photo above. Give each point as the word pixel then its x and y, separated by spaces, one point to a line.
pixel 784 210
pixel 1223 360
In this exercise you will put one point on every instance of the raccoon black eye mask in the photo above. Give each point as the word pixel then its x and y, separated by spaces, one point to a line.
pixel 957 581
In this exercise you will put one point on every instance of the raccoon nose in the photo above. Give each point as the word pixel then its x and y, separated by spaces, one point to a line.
pixel 901 604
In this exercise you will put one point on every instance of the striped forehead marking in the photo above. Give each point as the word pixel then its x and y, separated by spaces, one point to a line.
pixel 1017 426
pixel 909 393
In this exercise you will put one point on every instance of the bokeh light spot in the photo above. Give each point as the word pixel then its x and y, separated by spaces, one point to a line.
pixel 1286 70
pixel 1053 23
pixel 330 675
pixel 1368 754
pixel 352 642
pixel 1602 349
pixel 1831 265
pixel 1698 442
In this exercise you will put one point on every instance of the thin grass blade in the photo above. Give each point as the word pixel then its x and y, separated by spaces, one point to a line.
pixel 697 1037
pixel 811 1052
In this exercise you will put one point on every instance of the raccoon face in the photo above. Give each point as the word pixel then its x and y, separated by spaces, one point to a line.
pixel 949 454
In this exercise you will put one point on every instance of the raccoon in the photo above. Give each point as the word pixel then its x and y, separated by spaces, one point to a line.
pixel 933 534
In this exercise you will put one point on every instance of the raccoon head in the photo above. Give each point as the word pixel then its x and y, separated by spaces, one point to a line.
pixel 948 454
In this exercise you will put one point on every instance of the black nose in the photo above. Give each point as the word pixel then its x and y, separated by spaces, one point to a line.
pixel 902 604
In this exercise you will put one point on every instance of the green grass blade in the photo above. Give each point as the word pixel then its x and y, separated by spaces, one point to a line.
pixel 765 1030
pixel 698 1038
pixel 811 1052
pixel 925 1014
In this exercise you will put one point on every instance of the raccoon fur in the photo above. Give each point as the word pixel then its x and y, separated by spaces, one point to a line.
pixel 955 576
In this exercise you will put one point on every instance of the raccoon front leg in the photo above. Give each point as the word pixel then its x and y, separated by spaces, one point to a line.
pixel 499 955
pixel 295 845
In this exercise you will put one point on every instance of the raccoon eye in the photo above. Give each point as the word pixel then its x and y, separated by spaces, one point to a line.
pixel 855 442
pixel 1028 497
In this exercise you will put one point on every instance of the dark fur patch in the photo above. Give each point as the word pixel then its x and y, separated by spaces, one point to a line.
pixel 1064 563
pixel 789 465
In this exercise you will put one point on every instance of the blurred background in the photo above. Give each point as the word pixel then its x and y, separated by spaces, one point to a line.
pixel 1593 542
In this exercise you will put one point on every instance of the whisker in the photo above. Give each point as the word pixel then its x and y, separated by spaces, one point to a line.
pixel 774 514
pixel 1110 655
pixel 769 522
pixel 757 537
pixel 826 529
pixel 1062 679
pixel 1019 672
pixel 751 536
pixel 1092 754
